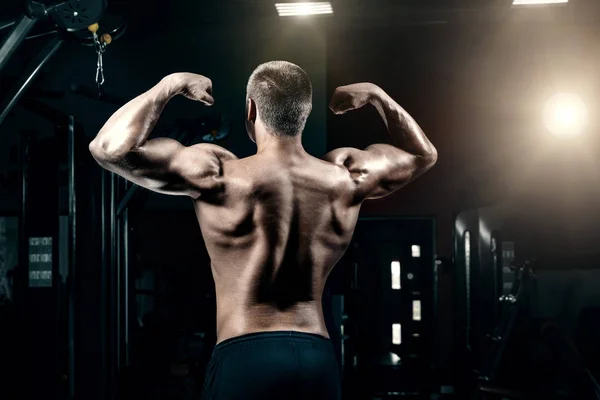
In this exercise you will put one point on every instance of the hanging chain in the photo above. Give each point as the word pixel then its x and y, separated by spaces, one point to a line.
pixel 100 47
pixel 100 43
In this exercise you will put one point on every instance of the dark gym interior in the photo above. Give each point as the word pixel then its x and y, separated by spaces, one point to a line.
pixel 480 280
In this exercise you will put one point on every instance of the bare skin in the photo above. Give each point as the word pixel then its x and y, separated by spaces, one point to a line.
pixel 276 223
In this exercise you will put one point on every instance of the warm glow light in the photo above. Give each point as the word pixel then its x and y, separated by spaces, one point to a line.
pixel 530 2
pixel 396 275
pixel 396 334
pixel 305 8
pixel 565 114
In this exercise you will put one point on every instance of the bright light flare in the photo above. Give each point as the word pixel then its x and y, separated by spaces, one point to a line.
pixel 305 8
pixel 537 2
pixel 565 114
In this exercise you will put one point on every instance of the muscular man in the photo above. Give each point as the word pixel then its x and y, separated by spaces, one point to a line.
pixel 274 224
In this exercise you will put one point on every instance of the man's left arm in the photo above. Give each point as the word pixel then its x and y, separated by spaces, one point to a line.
pixel 162 165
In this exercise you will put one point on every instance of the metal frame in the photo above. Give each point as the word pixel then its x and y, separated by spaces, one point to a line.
pixel 72 127
pixel 23 288
pixel 115 284
pixel 36 66
pixel 72 255
pixel 21 28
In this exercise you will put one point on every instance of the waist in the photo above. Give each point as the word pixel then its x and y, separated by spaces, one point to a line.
pixel 238 321
pixel 271 336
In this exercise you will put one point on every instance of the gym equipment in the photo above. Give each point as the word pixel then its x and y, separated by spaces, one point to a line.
pixel 74 15
pixel 510 306
pixel 67 20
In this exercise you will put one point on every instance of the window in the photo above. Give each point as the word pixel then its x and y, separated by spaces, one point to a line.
pixel 396 275
pixel 415 250
pixel 416 310
pixel 396 334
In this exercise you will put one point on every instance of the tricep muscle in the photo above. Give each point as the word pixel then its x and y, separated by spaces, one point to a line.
pixel 166 166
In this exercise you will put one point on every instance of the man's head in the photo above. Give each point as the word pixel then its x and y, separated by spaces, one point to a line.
pixel 279 94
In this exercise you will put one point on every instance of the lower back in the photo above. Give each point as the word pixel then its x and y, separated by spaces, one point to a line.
pixel 236 320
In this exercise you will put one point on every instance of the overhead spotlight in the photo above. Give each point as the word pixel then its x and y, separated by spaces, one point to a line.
pixel 537 2
pixel 565 114
pixel 306 8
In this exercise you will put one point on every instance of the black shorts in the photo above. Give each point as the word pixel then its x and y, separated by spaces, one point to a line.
pixel 273 365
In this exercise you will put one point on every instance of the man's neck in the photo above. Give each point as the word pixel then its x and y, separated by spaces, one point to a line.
pixel 268 143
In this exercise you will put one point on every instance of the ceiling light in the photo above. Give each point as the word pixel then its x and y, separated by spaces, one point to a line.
pixel 536 2
pixel 306 8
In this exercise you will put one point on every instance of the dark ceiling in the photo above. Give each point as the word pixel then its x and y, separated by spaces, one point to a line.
pixel 180 14
pixel 188 14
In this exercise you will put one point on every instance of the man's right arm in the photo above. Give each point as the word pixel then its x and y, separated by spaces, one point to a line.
pixel 381 169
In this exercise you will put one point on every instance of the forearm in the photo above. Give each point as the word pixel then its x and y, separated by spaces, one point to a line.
pixel 130 126
pixel 404 131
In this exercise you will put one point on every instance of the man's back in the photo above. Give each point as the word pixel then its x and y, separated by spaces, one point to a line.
pixel 273 238
pixel 274 224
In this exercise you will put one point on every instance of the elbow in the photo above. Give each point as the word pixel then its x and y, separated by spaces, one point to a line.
pixel 429 158
pixel 432 156
pixel 99 152
pixel 95 148
pixel 104 154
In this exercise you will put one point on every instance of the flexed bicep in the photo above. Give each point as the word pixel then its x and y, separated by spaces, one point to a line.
pixel 163 165
pixel 381 169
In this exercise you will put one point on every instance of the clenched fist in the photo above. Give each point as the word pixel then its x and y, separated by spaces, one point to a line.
pixel 352 97
pixel 193 86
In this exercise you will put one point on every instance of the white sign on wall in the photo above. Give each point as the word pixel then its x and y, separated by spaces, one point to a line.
pixel 40 262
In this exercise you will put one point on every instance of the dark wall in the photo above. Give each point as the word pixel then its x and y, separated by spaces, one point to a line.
pixel 563 295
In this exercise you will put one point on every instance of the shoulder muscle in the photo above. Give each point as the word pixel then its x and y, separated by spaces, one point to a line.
pixel 201 166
